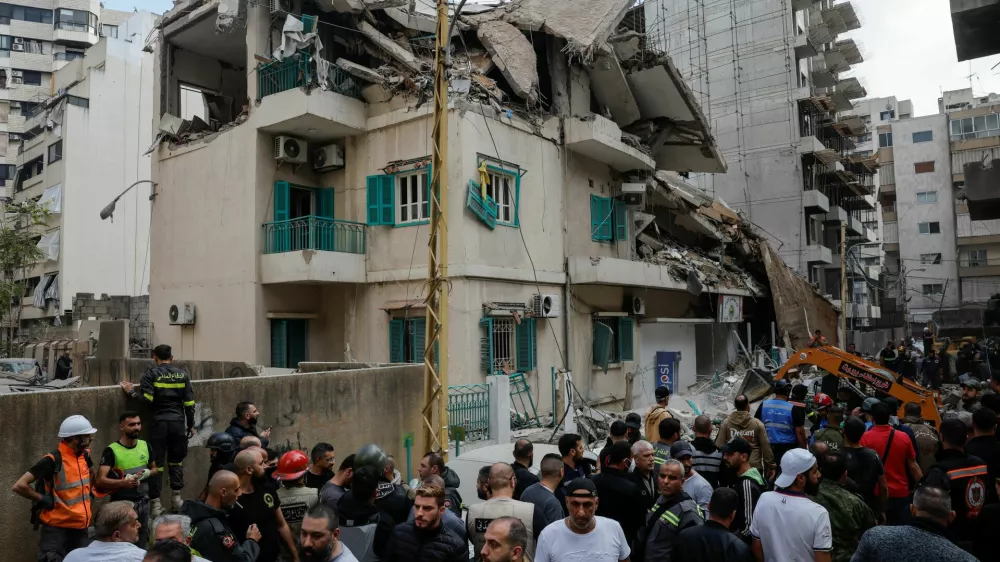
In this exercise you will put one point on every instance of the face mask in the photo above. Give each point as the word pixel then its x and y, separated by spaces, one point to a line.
pixel 314 554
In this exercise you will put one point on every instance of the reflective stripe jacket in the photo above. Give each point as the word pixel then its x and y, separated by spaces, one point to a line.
pixel 168 392
pixel 71 491
pixel 777 418
pixel 967 477
pixel 132 461
pixel 682 514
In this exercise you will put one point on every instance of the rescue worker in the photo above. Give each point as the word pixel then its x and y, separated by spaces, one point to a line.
pixel 818 339
pixel 211 536
pixel 784 421
pixel 363 527
pixel 433 463
pixel 850 517
pixel 222 448
pixel 389 498
pixel 831 433
pixel 657 413
pixel 500 504
pixel 295 498
pixel 964 476
pixel 168 393
pixel 125 468
pixel 887 357
pixel 60 488
pixel 674 512
pixel 819 414
pixel 670 431
pixel 931 371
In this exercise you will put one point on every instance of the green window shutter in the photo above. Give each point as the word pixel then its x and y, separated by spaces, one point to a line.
pixel 419 340
pixel 427 190
pixel 485 210
pixel 282 232
pixel 621 221
pixel 387 199
pixel 595 213
pixel 486 345
pixel 517 199
pixel 396 333
pixel 298 342
pixel 374 197
pixel 324 203
pixel 601 219
pixel 607 219
pixel 527 340
pixel 626 339
pixel 279 344
pixel 602 345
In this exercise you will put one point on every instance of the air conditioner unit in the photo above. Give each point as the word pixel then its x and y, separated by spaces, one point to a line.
pixel 289 149
pixel 633 193
pixel 16 73
pixel 181 314
pixel 17 80
pixel 18 47
pixel 635 306
pixel 546 306
pixel 328 158
pixel 18 40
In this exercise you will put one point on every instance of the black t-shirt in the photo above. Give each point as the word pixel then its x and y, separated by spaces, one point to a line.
pixel 259 508
pixel 108 459
pixel 43 468
pixel 317 481
pixel 864 467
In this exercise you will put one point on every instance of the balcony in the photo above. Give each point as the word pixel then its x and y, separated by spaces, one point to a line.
pixel 804 47
pixel 599 138
pixel 814 200
pixel 75 34
pixel 588 270
pixel 854 227
pixel 313 250
pixel 979 268
pixel 317 116
pixel 818 254
pixel 836 215
pixel 974 25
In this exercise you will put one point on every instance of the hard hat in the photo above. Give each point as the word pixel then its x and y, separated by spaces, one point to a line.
pixel 371 455
pixel 782 387
pixel 76 425
pixel 866 406
pixel 821 400
pixel 222 442
pixel 292 466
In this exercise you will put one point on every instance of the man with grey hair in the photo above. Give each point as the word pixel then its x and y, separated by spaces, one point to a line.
pixel 506 541
pixel 674 512
pixel 116 529
pixel 642 472
pixel 924 538
pixel 175 528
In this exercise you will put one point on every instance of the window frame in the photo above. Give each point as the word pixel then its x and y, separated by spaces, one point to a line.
pixel 932 289
pixel 887 115
pixel 927 199
pixel 422 205
pixel 58 146
pixel 930 259
pixel 514 189
pixel 917 167
pixel 617 217
pixel 930 229
pixel 622 340
pixel 113 28
pixel 929 136
pixel 522 344
pixel 885 140
pixel 978 258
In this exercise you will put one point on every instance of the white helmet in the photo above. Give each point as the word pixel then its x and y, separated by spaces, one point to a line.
pixel 76 425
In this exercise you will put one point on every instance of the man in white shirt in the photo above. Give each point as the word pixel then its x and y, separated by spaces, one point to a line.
pixel 116 528
pixel 788 526
pixel 500 504
pixel 582 535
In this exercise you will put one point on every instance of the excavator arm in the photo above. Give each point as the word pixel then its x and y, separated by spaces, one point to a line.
pixel 837 362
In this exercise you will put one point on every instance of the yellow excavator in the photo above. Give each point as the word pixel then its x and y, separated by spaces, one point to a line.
pixel 842 364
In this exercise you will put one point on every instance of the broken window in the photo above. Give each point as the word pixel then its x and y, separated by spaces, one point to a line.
pixel 413 204
pixel 930 259
pixel 193 103
pixel 613 340
pixel 504 189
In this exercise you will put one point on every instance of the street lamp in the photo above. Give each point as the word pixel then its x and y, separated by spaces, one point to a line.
pixel 110 208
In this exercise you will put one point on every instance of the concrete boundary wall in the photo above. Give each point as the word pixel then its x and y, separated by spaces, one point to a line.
pixel 345 408
pixel 107 372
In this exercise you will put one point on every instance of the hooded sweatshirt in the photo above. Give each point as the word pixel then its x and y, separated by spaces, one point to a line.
pixel 744 425
pixel 749 487
pixel 239 432
pixel 212 538
pixel 452 499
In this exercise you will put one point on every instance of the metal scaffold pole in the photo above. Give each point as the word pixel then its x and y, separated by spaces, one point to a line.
pixel 436 352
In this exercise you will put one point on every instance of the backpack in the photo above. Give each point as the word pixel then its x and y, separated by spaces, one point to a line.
pixel 926 445
pixel 44 484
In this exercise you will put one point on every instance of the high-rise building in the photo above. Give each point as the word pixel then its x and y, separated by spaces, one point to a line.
pixel 773 79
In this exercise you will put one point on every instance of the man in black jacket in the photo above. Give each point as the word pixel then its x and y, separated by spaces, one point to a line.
pixel 211 535
pixel 356 510
pixel 425 539
pixel 433 465
pixel 622 497
pixel 643 475
pixel 245 423
pixel 713 542
pixel 524 456
pixel 965 476
pixel 748 487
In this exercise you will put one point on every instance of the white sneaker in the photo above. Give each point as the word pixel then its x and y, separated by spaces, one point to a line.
pixel 155 509
pixel 176 501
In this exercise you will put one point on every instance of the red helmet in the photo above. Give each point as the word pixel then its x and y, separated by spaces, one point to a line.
pixel 821 400
pixel 292 466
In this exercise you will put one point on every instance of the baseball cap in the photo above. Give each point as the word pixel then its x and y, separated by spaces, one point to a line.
pixel 662 392
pixel 633 421
pixel 619 452
pixel 618 428
pixel 581 487
pixel 737 445
pixel 973 384
pixel 794 463
pixel 782 386
pixel 680 449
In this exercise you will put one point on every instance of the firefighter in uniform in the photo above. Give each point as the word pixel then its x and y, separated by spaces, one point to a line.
pixel 966 479
pixel 167 390
pixel 125 468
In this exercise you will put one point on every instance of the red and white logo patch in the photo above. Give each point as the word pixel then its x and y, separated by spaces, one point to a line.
pixel 228 541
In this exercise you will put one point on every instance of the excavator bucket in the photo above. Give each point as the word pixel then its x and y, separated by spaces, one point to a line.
pixel 757 385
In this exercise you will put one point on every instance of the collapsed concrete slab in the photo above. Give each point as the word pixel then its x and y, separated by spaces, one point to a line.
pixel 626 45
pixel 348 6
pixel 398 53
pixel 384 4
pixel 359 71
pixel 513 54
pixel 610 87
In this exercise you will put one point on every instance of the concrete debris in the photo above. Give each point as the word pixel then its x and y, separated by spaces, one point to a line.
pixel 359 71
pixel 346 6
pixel 385 4
pixel 376 93
pixel 514 56
pixel 488 86
pixel 404 57
pixel 626 45
pixel 611 89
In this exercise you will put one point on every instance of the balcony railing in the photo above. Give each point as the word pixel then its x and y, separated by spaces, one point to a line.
pixel 296 72
pixel 968 262
pixel 314 233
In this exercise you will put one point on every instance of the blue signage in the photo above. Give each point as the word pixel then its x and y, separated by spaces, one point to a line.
pixel 666 369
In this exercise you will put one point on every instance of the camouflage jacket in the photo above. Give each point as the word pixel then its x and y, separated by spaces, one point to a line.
pixel 850 517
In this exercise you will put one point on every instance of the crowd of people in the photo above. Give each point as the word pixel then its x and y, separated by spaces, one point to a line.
pixel 819 480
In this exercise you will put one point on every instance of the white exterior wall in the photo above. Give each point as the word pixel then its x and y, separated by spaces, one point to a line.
pixel 910 214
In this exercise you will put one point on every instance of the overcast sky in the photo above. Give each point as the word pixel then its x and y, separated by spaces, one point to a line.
pixel 909 53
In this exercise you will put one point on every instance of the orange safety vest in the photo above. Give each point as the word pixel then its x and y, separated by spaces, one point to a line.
pixel 71 490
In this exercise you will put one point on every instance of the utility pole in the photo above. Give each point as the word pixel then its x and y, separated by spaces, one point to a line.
pixel 436 352
pixel 843 284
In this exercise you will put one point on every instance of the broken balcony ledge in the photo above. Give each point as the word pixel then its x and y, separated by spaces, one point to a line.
pixel 599 138
pixel 320 115
pixel 312 266
pixel 590 270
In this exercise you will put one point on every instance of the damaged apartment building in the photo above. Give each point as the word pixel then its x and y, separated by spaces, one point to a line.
pixel 293 169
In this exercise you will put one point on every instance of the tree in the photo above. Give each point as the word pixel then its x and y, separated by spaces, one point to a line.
pixel 20 224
